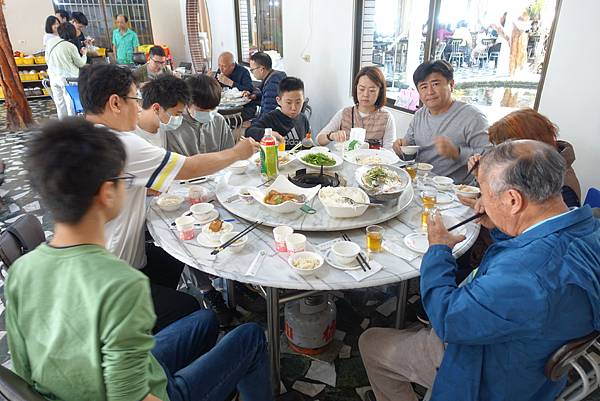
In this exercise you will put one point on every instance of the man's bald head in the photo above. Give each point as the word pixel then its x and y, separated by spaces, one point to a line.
pixel 226 63
pixel 534 168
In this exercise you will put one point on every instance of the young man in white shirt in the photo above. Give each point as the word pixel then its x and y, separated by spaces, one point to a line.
pixel 109 97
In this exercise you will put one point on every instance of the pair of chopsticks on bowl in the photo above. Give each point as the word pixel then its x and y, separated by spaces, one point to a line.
pixel 237 237
pixel 361 259
pixel 462 223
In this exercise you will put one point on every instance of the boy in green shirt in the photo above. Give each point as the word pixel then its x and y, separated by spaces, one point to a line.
pixel 79 319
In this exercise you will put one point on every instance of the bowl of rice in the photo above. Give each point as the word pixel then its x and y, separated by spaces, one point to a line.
pixel 337 206
pixel 169 202
pixel 306 263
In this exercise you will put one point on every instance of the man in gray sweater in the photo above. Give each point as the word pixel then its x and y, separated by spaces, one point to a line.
pixel 447 131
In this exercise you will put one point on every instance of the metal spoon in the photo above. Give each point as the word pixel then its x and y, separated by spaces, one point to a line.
pixel 353 202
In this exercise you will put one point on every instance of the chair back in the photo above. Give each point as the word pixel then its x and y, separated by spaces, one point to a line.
pixel 23 236
pixel 592 198
pixel 439 50
pixel 139 58
pixel 14 388
pixel 456 45
pixel 560 362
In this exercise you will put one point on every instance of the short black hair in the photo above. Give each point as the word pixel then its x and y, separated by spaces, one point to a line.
pixel 429 67
pixel 289 84
pixel 205 91
pixel 51 20
pixel 68 160
pixel 157 51
pixel 97 82
pixel 167 90
pixel 79 17
pixel 67 31
pixel 124 17
pixel 262 59
pixel 63 14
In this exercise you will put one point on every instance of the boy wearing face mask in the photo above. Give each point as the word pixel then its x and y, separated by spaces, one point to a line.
pixel 203 129
pixel 163 102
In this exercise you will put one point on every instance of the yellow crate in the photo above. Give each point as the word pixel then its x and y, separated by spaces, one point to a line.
pixel 29 77
pixel 28 61
pixel 19 60
pixel 46 93
pixel 101 52
pixel 40 60
pixel 145 48
pixel 1 93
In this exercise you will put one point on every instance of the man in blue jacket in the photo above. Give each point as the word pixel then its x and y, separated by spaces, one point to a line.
pixel 261 67
pixel 537 288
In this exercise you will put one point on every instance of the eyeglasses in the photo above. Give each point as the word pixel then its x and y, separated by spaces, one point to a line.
pixel 136 98
pixel 159 62
pixel 256 68
pixel 128 178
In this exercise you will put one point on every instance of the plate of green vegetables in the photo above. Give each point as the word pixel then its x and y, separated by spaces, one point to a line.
pixel 319 158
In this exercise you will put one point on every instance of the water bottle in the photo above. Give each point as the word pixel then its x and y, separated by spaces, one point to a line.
pixel 268 156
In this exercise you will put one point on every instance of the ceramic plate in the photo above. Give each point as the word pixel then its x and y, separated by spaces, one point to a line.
pixel 364 157
pixel 206 242
pixel 304 153
pixel 284 159
pixel 330 259
pixel 417 242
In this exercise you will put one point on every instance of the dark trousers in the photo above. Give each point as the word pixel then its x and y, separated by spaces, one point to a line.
pixel 164 272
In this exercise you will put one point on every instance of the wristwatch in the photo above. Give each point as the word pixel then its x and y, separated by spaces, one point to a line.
pixel 329 137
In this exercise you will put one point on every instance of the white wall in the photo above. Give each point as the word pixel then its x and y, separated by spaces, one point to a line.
pixel 222 24
pixel 167 27
pixel 569 97
pixel 25 20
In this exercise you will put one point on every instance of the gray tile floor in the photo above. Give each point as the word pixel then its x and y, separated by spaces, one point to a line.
pixel 16 198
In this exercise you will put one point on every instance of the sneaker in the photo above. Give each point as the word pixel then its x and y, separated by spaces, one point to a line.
pixel 213 299
pixel 422 315
pixel 250 299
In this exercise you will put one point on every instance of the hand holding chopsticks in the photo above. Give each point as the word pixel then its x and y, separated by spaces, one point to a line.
pixel 462 223
pixel 237 237
pixel 361 259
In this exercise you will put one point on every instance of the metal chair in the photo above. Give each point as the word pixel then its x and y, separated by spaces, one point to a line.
pixel 456 54
pixel 20 237
pixel 570 356
pixel 439 50
pixel 14 388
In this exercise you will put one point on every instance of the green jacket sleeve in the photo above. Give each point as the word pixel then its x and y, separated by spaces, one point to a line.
pixel 126 320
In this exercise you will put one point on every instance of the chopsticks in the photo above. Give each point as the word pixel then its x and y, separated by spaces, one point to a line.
pixel 237 237
pixel 462 223
pixel 361 259
pixel 292 150
pixel 475 165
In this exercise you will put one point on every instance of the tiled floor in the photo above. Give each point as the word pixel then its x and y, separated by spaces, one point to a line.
pixel 17 198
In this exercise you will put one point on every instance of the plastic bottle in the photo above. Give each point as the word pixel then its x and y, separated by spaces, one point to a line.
pixel 268 156
pixel 307 142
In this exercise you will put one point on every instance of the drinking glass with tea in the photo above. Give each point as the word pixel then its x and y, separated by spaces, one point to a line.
pixel 374 238
pixel 429 200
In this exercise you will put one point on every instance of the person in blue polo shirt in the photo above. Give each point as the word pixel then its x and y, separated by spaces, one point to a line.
pixel 537 288
pixel 125 41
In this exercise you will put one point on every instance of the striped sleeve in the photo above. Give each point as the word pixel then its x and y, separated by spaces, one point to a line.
pixel 166 172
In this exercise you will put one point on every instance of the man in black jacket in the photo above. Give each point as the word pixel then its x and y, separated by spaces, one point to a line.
pixel 287 121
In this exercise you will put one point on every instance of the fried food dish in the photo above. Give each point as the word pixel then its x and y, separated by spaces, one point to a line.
pixel 276 198
pixel 216 226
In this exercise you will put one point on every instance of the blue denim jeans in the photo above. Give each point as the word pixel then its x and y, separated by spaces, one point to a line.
pixel 197 369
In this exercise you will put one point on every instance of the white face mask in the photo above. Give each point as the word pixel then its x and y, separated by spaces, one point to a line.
pixel 205 116
pixel 173 124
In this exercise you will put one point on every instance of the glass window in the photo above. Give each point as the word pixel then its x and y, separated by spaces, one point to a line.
pixel 101 16
pixel 498 49
pixel 259 27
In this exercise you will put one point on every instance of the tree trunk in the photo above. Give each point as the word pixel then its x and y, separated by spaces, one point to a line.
pixel 18 112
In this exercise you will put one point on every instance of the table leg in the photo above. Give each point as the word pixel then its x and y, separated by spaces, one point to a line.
pixel 273 335
pixel 401 304
pixel 231 301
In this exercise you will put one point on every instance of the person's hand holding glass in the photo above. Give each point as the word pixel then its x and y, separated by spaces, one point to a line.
pixel 429 200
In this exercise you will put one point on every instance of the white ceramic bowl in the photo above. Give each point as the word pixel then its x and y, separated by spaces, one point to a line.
pixel 237 245
pixel 239 167
pixel 442 183
pixel 201 210
pixel 409 149
pixel 216 236
pixel 467 191
pixel 306 254
pixel 319 149
pixel 245 195
pixel 345 211
pixel 424 167
pixel 282 184
pixel 169 203
pixel 345 252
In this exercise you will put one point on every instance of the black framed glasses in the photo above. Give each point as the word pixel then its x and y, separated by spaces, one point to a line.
pixel 159 62
pixel 127 178
pixel 255 68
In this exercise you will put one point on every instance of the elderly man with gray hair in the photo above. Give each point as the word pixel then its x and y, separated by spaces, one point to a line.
pixel 537 288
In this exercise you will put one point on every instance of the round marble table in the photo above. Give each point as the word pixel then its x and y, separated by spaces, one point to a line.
pixel 275 274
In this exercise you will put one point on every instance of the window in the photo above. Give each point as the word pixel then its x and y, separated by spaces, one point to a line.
pixel 498 51
pixel 259 27
pixel 101 16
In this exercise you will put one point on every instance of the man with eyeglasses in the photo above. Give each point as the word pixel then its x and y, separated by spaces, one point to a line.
pixel 156 65
pixel 109 97
pixel 261 66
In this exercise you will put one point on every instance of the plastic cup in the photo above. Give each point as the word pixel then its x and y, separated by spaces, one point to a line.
pixel 374 238
pixel 280 234
pixel 197 194
pixel 295 243
pixel 185 227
